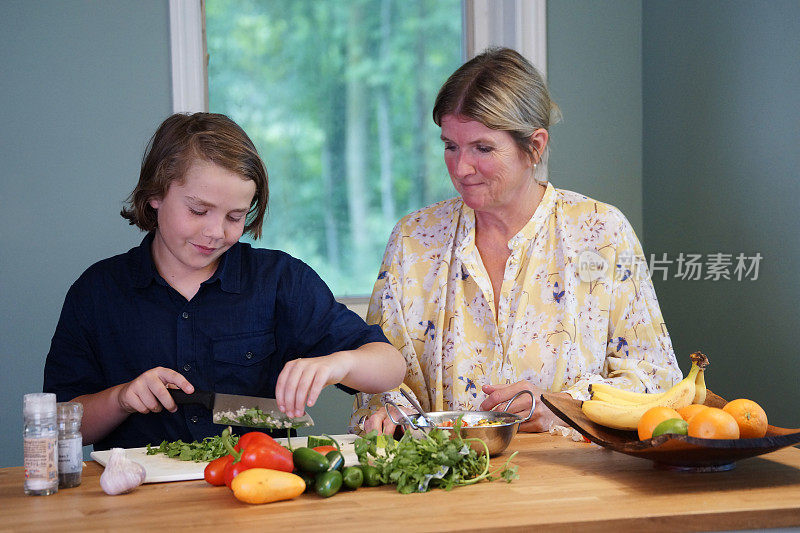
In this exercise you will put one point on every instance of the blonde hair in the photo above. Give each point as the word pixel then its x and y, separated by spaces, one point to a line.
pixel 502 90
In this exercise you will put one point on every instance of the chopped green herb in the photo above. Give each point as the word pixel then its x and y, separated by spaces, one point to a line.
pixel 257 418
pixel 211 448
pixel 510 474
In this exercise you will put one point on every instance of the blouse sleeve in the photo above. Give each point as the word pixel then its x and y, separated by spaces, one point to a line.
pixel 386 310
pixel 639 354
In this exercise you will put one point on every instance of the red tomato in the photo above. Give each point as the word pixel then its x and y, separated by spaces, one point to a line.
pixel 324 449
pixel 215 470
pixel 232 470
pixel 254 438
pixel 273 457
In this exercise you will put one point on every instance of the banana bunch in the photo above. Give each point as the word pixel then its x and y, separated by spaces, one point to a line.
pixel 622 409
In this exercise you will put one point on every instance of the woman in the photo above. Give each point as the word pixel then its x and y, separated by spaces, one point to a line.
pixel 514 284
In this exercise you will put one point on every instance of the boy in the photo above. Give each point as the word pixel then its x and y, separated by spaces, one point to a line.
pixel 192 307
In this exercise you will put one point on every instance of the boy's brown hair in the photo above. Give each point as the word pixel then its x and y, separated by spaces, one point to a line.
pixel 179 141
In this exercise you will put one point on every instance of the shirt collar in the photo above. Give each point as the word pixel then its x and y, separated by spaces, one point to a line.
pixel 228 272
pixel 144 270
pixel 528 231
pixel 466 230
pixel 542 213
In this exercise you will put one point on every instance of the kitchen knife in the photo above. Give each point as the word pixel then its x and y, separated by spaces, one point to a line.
pixel 237 410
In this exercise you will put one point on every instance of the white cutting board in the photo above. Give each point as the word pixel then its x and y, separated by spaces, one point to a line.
pixel 161 468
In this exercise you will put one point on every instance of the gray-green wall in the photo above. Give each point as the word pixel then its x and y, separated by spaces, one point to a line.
pixel 594 71
pixel 722 174
pixel 83 86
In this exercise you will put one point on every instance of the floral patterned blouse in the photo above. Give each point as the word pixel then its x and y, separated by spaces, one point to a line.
pixel 576 306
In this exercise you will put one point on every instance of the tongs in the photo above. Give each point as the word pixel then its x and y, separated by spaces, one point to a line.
pixel 415 404
pixel 430 425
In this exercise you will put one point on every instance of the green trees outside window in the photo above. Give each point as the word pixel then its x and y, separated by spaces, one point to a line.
pixel 337 95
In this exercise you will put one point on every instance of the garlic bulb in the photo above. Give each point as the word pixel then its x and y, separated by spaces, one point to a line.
pixel 121 474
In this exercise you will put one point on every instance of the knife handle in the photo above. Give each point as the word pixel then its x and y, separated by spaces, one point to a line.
pixel 199 397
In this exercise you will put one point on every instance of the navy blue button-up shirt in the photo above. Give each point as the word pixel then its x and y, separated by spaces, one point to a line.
pixel 259 310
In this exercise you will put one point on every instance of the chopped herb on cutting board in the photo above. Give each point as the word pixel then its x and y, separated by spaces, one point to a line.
pixel 211 448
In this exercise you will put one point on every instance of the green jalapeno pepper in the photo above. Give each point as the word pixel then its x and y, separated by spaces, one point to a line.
pixel 328 483
pixel 352 477
pixel 308 460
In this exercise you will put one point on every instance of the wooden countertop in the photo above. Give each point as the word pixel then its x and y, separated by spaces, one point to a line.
pixel 563 485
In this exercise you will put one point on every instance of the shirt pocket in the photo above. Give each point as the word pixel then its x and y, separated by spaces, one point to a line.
pixel 245 363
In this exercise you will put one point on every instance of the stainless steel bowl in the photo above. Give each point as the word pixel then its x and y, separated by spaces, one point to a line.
pixel 497 437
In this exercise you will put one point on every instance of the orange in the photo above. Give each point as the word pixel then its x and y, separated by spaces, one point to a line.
pixel 713 423
pixel 690 410
pixel 750 417
pixel 653 417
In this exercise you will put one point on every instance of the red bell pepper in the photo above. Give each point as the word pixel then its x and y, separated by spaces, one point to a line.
pixel 254 450
pixel 214 472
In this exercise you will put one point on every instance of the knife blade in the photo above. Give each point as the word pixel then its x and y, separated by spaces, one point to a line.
pixel 239 410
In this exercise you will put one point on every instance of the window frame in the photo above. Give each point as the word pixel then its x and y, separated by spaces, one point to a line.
pixel 187 36
pixel 518 24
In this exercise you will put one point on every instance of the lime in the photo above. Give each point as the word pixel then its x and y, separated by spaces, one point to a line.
pixel 678 426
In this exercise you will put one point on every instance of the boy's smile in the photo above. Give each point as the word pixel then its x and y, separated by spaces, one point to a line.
pixel 198 220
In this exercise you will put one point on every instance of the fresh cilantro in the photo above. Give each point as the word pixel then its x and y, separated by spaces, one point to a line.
pixel 510 474
pixel 431 461
pixel 209 449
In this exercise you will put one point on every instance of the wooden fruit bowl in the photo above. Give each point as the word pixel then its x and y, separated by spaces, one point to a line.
pixel 679 452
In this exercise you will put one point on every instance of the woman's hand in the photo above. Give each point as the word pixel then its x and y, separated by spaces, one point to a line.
pixel 541 420
pixel 301 381
pixel 148 393
pixel 381 421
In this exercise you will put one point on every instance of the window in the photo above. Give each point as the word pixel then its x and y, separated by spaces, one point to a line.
pixel 337 95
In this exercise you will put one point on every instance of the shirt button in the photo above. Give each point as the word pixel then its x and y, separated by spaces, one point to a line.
pixel 194 419
pixel 185 314
pixel 248 355
pixel 187 367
